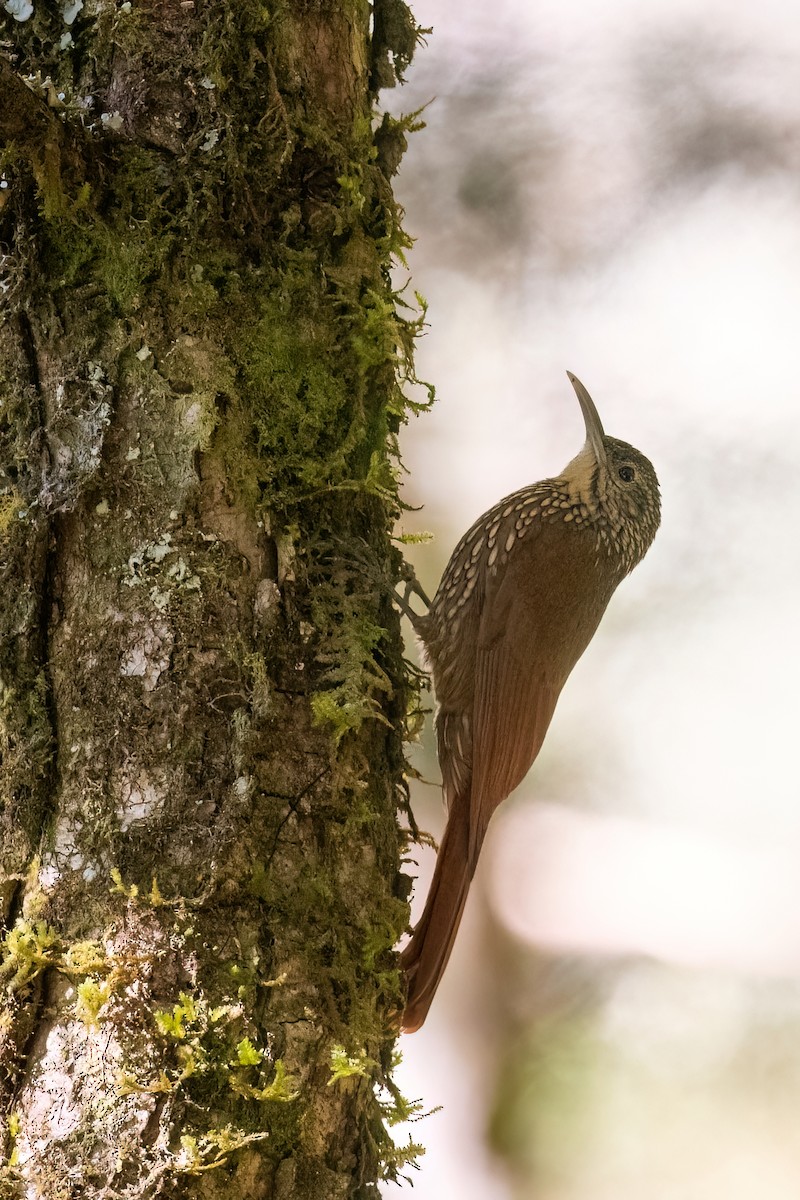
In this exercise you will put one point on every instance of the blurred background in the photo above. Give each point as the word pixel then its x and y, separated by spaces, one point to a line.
pixel 614 188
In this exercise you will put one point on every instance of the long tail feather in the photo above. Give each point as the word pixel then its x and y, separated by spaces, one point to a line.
pixel 425 957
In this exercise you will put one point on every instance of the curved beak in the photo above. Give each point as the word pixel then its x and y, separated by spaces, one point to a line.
pixel 594 427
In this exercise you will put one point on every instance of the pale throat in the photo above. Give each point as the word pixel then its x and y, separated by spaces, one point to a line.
pixel 582 478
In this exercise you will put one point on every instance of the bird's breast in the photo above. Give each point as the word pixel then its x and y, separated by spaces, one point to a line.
pixel 552 595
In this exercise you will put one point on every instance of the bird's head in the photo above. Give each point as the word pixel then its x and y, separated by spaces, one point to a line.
pixel 615 482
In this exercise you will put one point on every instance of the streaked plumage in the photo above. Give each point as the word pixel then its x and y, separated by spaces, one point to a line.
pixel 518 603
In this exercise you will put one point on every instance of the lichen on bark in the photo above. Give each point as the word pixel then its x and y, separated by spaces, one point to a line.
pixel 202 693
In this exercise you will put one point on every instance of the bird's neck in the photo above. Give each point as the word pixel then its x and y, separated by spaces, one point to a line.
pixel 585 489
pixel 582 480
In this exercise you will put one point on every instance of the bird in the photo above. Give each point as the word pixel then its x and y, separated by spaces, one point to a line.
pixel 517 605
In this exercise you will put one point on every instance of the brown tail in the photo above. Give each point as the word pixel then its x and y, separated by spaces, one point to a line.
pixel 425 957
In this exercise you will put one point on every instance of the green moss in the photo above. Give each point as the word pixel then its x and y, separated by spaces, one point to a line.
pixel 29 948
pixel 294 386
pixel 246 1053
pixel 354 681
pixel 11 506
pixel 232 292
pixel 212 1149
pixel 25 741
pixel 394 41
pixel 345 1066
pixel 92 995
pixel 173 1024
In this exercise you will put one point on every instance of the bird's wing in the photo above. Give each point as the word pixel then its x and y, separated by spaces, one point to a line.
pixel 513 706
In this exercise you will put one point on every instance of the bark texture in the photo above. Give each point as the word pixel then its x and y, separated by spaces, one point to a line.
pixel 201 682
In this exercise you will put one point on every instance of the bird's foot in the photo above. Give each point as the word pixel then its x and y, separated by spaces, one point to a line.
pixel 412 587
pixel 364 560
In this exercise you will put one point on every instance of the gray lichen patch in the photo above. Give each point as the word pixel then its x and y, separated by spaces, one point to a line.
pixel 142 795
pixel 63 854
pixel 147 653
pixel 76 1072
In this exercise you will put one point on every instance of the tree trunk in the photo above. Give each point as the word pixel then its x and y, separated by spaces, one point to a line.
pixel 202 690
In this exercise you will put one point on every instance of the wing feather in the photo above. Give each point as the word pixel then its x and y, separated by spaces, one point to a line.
pixel 503 750
pixel 514 700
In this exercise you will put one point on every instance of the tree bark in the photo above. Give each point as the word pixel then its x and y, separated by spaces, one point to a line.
pixel 202 691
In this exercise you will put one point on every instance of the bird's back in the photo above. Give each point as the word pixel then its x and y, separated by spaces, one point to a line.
pixel 508 623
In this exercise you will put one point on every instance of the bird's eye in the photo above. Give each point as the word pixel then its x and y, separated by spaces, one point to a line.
pixel 626 473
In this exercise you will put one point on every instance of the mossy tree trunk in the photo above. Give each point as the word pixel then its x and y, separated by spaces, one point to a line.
pixel 201 681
